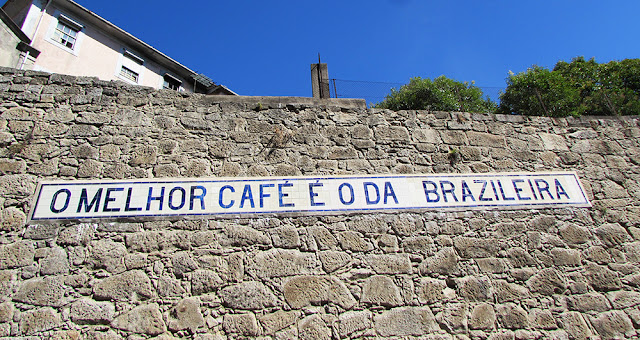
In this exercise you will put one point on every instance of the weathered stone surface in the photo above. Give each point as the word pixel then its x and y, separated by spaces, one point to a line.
pixel 302 291
pixel 543 223
pixel 492 265
pixel 485 139
pixel 86 311
pixel 574 234
pixel 21 113
pixel 445 261
pixel 553 142
pixel 548 282
pixel 421 244
pixel 239 235
pixel 248 295
pixel 341 153
pixel 182 263
pixel 333 260
pixel 121 227
pixel 611 189
pixel 314 327
pixel 273 322
pixel 632 251
pixel 229 268
pixel 186 315
pixel 12 219
pixel 405 321
pixel 204 281
pixel 144 155
pixel 431 290
pixel 483 316
pixel 469 247
pixel 55 262
pixel 39 320
pixel 632 280
pixel 597 254
pixel 542 319
pixel 405 224
pixel 512 316
pixel 82 130
pixel 135 261
pixel 574 271
pixel 144 319
pixel 612 234
pixel 130 285
pixel 475 288
pixel 353 241
pixel 280 262
pixel 7 282
pixel 41 231
pixel 166 170
pixel 453 319
pixel 505 291
pixel 285 237
pixel 566 257
pixel 108 255
pixel 391 133
pixel 520 258
pixel 389 263
pixel 613 324
pixel 624 299
pixel 79 234
pixel 288 333
pixel 380 290
pixel 453 137
pixel 6 311
pixel 368 225
pixel 145 241
pixel 575 326
pixel 15 255
pixel 601 278
pixel 588 302
pixel 352 322
pixel 242 324
pixel 90 168
pixel 47 291
pixel 85 151
pixel 169 287
pixel 324 238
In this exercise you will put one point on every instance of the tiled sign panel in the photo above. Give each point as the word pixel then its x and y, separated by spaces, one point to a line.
pixel 230 197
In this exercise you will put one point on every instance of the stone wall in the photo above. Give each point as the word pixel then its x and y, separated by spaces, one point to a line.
pixel 518 274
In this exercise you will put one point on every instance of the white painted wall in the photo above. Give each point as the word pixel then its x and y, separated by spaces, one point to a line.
pixel 94 54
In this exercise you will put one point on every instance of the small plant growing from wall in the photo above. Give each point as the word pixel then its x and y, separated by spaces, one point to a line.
pixel 454 156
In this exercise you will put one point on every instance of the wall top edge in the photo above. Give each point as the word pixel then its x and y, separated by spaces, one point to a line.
pixel 270 102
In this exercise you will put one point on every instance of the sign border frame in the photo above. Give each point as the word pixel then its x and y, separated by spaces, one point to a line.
pixel 297 212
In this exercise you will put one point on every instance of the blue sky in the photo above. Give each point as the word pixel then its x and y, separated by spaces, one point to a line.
pixel 265 47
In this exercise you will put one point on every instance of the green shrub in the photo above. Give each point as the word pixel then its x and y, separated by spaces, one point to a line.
pixel 441 94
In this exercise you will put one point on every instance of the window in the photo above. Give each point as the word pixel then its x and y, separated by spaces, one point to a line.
pixel 65 35
pixel 130 67
pixel 129 74
pixel 171 83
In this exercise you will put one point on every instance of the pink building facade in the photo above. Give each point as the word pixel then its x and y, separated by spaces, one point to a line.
pixel 73 40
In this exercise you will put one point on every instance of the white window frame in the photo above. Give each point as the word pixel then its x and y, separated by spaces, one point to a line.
pixel 125 71
pixel 133 62
pixel 176 79
pixel 70 22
